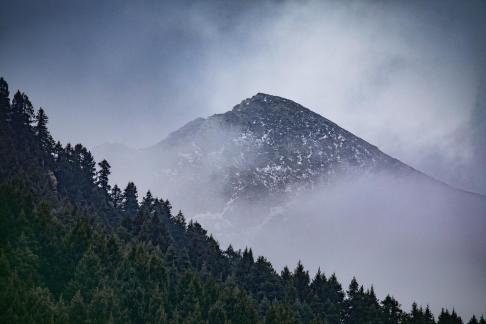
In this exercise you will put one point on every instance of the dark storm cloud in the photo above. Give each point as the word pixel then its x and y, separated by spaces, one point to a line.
pixel 402 75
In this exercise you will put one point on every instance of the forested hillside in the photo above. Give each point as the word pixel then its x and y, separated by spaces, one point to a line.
pixel 76 249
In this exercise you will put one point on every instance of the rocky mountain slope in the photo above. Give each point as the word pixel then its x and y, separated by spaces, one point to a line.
pixel 265 146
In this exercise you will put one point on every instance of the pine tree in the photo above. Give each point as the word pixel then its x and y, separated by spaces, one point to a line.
pixel 103 174
pixel 301 281
pixel 4 101
pixel 86 162
pixel 42 133
pixel 428 316
pixel 286 275
pixel 58 151
pixel 130 200
pixel 318 288
pixel 246 263
pixel 473 320
pixel 391 309
pixel 180 219
pixel 147 205
pixel 116 196
pixel 353 288
pixel 22 111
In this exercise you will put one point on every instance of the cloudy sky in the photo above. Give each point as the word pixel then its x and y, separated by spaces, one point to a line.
pixel 402 75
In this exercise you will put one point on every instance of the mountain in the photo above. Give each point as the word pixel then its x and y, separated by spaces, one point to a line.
pixel 268 145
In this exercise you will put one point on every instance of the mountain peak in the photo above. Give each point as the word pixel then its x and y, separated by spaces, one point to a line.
pixel 264 100
pixel 269 144
pixel 266 97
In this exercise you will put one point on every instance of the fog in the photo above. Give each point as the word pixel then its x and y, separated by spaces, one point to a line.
pixel 410 238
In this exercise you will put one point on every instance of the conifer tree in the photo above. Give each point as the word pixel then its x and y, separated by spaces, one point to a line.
pixel 428 316
pixel 22 111
pixel 130 200
pixel 247 259
pixel 180 219
pixel 231 254
pixel 286 275
pixel 473 320
pixel 4 101
pixel 58 151
pixel 301 281
pixel 147 205
pixel 391 309
pixel 42 133
pixel 353 288
pixel 116 196
pixel 83 161
pixel 103 175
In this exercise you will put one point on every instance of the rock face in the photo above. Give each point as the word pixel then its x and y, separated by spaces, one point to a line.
pixel 266 146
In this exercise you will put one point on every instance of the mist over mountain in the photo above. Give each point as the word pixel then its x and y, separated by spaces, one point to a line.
pixel 268 145
pixel 271 173
pixel 264 147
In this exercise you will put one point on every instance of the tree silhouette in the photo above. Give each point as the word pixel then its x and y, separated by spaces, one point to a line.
pixel 103 175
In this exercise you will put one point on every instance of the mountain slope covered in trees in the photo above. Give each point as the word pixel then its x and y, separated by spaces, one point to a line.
pixel 74 248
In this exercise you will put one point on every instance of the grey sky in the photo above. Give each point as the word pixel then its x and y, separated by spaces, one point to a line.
pixel 402 75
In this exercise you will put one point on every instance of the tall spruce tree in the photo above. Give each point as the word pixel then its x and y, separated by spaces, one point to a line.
pixel 42 133
pixel 4 101
pixel 103 175
pixel 130 200
pixel 22 112
pixel 179 219
pixel 147 205
pixel 473 320
pixel 391 309
pixel 88 164
pixel 116 196
pixel 301 281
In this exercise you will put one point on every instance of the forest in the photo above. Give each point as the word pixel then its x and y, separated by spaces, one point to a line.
pixel 75 248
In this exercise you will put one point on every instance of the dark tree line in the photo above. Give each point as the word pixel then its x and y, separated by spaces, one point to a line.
pixel 75 249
